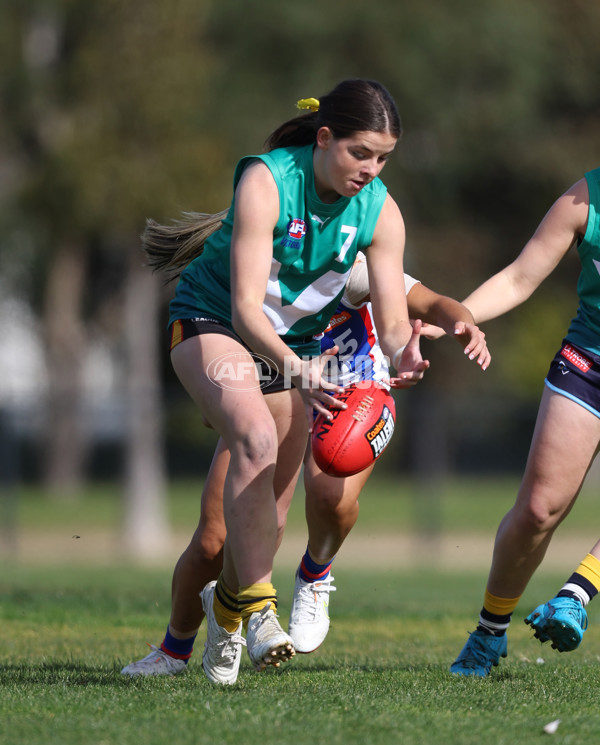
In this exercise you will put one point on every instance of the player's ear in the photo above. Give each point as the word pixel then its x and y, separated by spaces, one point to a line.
pixel 324 137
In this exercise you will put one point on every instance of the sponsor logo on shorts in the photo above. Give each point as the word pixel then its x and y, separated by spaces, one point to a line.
pixel 381 432
pixel 576 358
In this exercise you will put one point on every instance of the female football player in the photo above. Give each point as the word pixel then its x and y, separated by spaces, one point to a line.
pixel 566 436
pixel 266 282
pixel 331 503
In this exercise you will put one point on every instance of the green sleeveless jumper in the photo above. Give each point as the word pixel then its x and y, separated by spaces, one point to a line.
pixel 314 247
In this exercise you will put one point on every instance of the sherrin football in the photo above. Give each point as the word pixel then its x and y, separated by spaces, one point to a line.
pixel 357 436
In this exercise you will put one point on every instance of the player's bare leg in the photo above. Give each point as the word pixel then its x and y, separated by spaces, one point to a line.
pixel 331 508
pixel 331 512
pixel 202 560
pixel 564 444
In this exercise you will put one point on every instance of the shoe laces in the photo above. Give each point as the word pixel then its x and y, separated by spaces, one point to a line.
pixel 309 601
pixel 478 653
pixel 158 654
pixel 572 608
pixel 266 624
pixel 228 645
pixel 267 617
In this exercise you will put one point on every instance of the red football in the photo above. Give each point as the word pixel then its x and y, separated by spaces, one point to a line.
pixel 355 437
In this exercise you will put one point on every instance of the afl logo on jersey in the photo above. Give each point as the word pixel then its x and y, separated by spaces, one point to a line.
pixel 296 230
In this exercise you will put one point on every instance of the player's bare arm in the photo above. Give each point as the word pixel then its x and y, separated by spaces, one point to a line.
pixel 453 317
pixel 564 223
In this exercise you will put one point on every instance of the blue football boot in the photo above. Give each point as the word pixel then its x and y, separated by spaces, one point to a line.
pixel 561 621
pixel 480 653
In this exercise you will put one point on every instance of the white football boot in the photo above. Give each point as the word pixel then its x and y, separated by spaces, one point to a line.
pixel 268 644
pixel 223 650
pixel 309 616
pixel 155 663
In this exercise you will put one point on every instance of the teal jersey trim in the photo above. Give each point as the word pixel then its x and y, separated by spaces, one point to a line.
pixel 314 248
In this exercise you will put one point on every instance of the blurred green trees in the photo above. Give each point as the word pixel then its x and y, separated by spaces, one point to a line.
pixel 114 111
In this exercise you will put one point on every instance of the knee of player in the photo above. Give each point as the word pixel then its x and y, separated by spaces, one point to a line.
pixel 330 504
pixel 207 543
pixel 538 516
pixel 256 448
pixel 281 523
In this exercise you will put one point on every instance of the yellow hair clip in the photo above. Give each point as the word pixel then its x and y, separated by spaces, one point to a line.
pixel 310 104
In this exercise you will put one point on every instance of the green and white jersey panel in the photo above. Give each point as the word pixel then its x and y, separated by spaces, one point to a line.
pixel 314 247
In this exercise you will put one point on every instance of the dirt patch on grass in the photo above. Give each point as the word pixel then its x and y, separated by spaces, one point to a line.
pixel 362 549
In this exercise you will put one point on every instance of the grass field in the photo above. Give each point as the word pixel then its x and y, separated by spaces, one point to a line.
pixel 381 677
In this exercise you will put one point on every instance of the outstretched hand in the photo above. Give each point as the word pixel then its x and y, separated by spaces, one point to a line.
pixel 411 366
pixel 314 387
pixel 473 340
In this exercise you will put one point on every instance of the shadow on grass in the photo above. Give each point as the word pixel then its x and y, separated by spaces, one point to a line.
pixel 61 672
pixel 352 666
